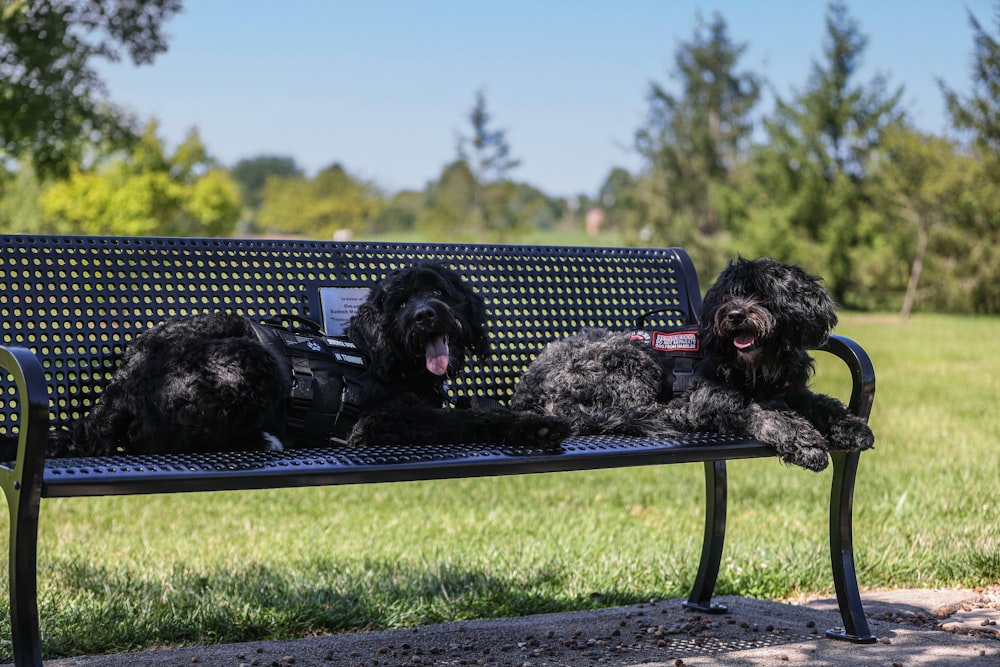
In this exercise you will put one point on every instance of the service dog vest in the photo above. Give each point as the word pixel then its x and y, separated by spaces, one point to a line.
pixel 677 348
pixel 325 398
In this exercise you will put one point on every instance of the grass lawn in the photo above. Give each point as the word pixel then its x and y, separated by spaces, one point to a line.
pixel 133 572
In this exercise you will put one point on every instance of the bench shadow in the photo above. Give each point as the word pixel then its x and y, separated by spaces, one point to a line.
pixel 91 609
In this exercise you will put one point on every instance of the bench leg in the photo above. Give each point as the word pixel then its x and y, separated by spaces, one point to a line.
pixel 845 580
pixel 25 635
pixel 715 535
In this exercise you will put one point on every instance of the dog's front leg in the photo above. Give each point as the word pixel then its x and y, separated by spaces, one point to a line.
pixel 843 429
pixel 415 425
pixel 792 436
pixel 712 407
pixel 719 408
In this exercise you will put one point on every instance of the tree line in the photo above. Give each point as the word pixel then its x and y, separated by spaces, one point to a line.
pixel 836 177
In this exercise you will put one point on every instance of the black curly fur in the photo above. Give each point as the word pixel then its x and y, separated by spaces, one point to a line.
pixel 405 311
pixel 205 383
pixel 404 403
pixel 601 382
pixel 758 321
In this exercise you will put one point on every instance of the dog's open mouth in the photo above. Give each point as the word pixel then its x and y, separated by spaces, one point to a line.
pixel 437 355
pixel 744 341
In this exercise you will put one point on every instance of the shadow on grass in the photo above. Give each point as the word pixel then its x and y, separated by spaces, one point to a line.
pixel 88 609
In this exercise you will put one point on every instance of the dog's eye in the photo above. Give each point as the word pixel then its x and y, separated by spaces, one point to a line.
pixel 436 293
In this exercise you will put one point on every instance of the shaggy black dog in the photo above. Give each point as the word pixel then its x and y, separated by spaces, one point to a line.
pixel 602 382
pixel 758 322
pixel 209 383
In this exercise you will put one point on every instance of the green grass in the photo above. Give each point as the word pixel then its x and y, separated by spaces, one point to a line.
pixel 128 573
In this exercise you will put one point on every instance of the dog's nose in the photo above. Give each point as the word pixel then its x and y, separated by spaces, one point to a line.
pixel 736 317
pixel 424 315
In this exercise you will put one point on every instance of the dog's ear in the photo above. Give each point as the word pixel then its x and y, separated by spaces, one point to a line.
pixel 711 302
pixel 480 331
pixel 813 310
pixel 366 328
pixel 477 339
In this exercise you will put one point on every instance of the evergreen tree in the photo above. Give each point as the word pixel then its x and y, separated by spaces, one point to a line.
pixel 692 141
pixel 979 116
pixel 487 154
pixel 815 169
pixel 979 113
pixel 486 151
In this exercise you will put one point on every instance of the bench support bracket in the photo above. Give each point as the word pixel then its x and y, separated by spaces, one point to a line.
pixel 23 488
pixel 845 580
pixel 715 535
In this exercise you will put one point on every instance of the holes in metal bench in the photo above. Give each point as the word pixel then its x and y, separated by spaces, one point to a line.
pixel 80 301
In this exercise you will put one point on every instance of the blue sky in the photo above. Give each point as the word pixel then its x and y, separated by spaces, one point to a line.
pixel 384 86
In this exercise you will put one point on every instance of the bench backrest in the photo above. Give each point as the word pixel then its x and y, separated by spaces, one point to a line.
pixel 76 302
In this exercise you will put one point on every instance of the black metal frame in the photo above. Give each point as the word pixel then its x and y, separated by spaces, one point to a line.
pixel 586 287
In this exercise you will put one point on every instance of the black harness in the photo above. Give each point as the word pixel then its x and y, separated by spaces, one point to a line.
pixel 676 348
pixel 326 381
pixel 327 373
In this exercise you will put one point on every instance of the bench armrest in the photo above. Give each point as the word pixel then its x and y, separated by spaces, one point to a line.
pixel 862 372
pixel 33 424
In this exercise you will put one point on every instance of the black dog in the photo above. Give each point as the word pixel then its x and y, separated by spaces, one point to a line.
pixel 211 383
pixel 758 322
pixel 602 382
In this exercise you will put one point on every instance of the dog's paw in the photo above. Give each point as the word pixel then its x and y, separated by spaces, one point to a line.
pixel 537 431
pixel 851 434
pixel 810 458
pixel 795 440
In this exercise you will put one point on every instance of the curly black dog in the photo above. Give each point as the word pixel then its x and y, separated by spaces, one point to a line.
pixel 208 383
pixel 602 382
pixel 758 322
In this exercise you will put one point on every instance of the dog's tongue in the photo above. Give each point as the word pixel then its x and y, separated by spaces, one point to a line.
pixel 437 355
pixel 743 341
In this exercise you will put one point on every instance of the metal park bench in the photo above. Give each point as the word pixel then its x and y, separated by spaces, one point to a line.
pixel 70 305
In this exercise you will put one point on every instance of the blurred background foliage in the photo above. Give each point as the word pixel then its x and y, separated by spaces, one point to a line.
pixel 835 178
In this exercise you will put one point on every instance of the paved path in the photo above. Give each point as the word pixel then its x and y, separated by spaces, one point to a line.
pixel 914 627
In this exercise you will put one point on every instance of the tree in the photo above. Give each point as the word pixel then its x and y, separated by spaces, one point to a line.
pixel 20 211
pixel 936 186
pixel 252 174
pixel 979 113
pixel 146 192
pixel 815 166
pixel 487 154
pixel 450 203
pixel 332 202
pixel 400 213
pixel 693 140
pixel 619 199
pixel 52 102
